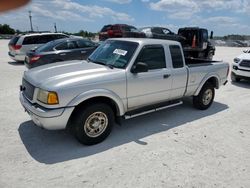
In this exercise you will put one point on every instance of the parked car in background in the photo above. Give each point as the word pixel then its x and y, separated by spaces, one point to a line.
pixel 247 51
pixel 161 33
pixel 60 50
pixel 241 67
pixel 19 45
pixel 120 30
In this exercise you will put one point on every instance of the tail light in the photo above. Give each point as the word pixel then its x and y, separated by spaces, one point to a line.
pixel 16 47
pixel 110 33
pixel 35 58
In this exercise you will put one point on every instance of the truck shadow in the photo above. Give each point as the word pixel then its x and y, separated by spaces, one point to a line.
pixel 51 147
pixel 242 83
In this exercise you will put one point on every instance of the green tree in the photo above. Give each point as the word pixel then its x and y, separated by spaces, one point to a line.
pixel 6 29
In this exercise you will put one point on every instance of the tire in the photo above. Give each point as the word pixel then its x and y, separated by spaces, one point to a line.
pixel 93 124
pixel 205 98
pixel 210 56
pixel 234 78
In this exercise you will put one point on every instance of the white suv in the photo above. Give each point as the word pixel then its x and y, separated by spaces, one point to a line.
pixel 241 67
pixel 19 45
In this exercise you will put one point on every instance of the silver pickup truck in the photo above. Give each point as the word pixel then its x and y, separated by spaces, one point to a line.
pixel 122 78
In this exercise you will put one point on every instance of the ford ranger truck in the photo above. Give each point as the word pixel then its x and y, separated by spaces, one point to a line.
pixel 122 78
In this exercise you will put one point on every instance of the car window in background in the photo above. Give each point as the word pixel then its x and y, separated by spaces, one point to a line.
pixel 84 44
pixel 157 30
pixel 66 46
pixel 46 47
pixel 105 28
pixel 14 40
pixel 30 40
pixel 166 31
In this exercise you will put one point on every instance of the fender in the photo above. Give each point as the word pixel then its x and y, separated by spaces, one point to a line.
pixel 99 93
pixel 205 79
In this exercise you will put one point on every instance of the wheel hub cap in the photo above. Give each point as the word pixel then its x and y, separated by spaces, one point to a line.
pixel 207 97
pixel 96 124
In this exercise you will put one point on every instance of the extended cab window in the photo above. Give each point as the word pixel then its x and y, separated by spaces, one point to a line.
pixel 176 55
pixel 153 56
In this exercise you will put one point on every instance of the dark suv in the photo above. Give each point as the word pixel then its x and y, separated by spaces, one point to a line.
pixel 120 30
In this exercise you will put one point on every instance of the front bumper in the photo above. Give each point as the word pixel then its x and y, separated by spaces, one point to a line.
pixel 241 73
pixel 51 119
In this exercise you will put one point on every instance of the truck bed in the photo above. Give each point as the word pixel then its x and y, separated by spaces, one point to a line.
pixel 194 62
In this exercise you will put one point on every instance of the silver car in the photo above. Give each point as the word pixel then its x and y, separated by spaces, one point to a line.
pixel 19 45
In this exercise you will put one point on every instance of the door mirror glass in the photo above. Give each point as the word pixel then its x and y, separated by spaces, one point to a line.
pixel 139 67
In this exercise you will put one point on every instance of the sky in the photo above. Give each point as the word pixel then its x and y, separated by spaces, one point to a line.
pixel 221 16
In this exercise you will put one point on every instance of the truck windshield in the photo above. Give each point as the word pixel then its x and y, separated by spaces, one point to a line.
pixel 114 53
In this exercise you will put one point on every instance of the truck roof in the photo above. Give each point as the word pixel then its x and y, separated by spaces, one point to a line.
pixel 147 41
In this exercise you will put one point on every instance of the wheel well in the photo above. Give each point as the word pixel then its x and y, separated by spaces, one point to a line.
pixel 214 82
pixel 93 100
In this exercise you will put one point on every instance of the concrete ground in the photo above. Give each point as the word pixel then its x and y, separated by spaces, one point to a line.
pixel 177 147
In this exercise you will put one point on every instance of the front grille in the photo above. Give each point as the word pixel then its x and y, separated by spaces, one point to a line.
pixel 28 89
pixel 245 63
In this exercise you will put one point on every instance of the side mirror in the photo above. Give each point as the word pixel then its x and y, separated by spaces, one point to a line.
pixel 212 35
pixel 139 67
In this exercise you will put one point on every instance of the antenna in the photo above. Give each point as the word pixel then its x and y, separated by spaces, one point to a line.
pixel 31 27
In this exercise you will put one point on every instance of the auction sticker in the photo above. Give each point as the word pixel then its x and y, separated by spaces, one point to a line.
pixel 120 52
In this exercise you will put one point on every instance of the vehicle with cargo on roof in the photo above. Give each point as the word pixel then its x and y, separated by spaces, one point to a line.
pixel 197 43
pixel 122 78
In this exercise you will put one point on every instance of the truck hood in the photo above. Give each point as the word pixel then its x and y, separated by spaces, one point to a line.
pixel 70 73
pixel 244 56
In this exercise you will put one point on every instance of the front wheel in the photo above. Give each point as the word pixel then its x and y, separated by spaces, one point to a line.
pixel 93 124
pixel 205 98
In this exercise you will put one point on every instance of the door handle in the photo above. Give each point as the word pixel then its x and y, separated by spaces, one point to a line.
pixel 165 76
pixel 63 54
pixel 83 52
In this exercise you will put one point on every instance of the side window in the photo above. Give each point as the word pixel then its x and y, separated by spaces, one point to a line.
pixel 157 30
pixel 176 56
pixel 29 40
pixel 65 46
pixel 84 44
pixel 153 56
pixel 204 35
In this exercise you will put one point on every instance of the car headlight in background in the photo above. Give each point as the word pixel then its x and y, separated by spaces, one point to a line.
pixel 236 60
pixel 47 97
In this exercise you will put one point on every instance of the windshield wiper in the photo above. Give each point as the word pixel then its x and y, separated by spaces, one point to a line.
pixel 100 63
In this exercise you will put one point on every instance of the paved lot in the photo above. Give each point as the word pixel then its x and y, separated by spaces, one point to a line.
pixel 178 147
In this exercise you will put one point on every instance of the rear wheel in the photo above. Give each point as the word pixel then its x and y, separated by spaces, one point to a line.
pixel 93 124
pixel 205 98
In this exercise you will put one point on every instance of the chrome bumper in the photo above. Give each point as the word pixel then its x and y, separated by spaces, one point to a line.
pixel 51 119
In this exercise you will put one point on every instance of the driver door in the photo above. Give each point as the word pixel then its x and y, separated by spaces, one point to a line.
pixel 153 86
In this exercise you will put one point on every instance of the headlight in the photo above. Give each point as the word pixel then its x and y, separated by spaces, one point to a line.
pixel 47 97
pixel 236 60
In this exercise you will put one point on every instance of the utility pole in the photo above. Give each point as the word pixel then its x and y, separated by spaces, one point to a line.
pixel 31 27
pixel 55 27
